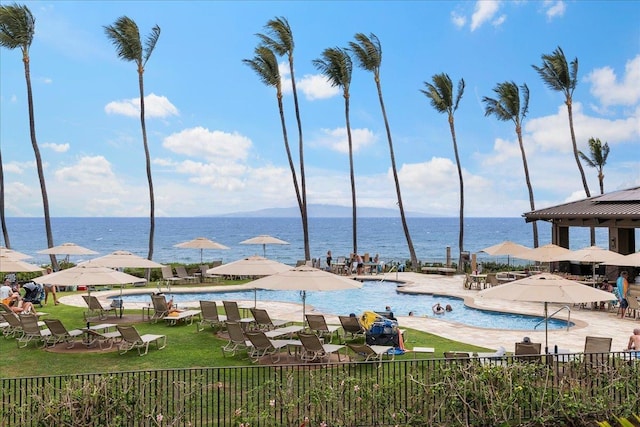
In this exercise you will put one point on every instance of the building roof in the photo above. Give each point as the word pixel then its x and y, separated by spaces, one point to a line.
pixel 616 209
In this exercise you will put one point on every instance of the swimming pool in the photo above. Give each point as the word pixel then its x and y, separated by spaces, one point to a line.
pixel 374 296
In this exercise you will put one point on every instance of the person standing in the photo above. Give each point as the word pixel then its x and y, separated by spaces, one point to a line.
pixel 329 258
pixel 622 292
pixel 50 289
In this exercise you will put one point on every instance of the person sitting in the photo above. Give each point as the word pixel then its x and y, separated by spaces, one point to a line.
pixel 18 305
pixel 634 341
pixel 448 307
pixel 437 308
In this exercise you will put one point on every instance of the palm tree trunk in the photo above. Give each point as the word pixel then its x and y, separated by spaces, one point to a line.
pixel 405 227
pixel 352 176
pixel 601 181
pixel 289 157
pixel 303 185
pixel 36 152
pixel 534 224
pixel 5 230
pixel 461 215
pixel 592 230
pixel 152 219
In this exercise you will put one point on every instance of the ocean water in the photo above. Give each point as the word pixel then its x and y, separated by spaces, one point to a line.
pixel 383 236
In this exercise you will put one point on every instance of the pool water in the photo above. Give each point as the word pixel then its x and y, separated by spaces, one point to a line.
pixel 374 296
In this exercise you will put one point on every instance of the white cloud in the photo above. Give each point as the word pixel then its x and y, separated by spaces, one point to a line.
pixel 154 105
pixel 336 139
pixel 93 174
pixel 554 8
pixel 606 87
pixel 215 146
pixel 58 148
pixel 484 11
pixel 499 20
pixel 18 167
pixel 458 20
pixel 316 86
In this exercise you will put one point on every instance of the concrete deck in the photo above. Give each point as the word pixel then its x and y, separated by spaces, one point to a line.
pixel 589 323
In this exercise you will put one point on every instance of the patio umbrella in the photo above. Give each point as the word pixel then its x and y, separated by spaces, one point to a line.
pixel 11 265
pixel 67 249
pixel 592 255
pixel 250 266
pixel 303 279
pixel 505 248
pixel 546 288
pixel 264 240
pixel 88 275
pixel 10 253
pixel 631 260
pixel 546 253
pixel 201 243
pixel 121 259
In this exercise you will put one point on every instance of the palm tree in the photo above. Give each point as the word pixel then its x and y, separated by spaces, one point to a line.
pixel 5 230
pixel 17 28
pixel 442 98
pixel 598 158
pixel 125 36
pixel 368 53
pixel 337 66
pixel 560 76
pixel 509 106
pixel 280 40
pixel 265 64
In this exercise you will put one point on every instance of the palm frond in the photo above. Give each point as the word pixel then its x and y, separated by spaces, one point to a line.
pixel 280 36
pixel 557 74
pixel 150 42
pixel 368 51
pixel 265 65
pixel 336 65
pixel 17 27
pixel 125 37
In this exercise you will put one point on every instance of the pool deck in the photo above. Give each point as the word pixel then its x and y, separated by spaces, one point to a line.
pixel 589 322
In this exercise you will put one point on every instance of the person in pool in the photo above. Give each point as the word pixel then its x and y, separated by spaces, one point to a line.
pixel 448 307
pixel 437 308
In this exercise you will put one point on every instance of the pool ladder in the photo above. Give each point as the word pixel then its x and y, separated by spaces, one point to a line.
pixel 564 307
pixel 391 270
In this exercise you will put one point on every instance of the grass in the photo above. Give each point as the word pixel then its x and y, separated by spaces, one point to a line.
pixel 186 348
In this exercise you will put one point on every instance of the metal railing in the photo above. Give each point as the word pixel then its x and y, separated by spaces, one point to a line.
pixel 469 391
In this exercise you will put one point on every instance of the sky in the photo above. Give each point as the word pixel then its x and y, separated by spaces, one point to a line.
pixel 214 130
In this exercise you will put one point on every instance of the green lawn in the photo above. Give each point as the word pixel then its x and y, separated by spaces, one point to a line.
pixel 186 348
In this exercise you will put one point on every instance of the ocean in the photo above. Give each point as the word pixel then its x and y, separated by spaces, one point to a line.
pixel 383 236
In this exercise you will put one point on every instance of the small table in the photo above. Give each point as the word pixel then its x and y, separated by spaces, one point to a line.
pixel 279 332
pixel 478 281
pixel 187 316
pixel 98 333
pixel 417 350
pixel 147 310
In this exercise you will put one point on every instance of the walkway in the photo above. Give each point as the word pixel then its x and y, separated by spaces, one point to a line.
pixel 589 323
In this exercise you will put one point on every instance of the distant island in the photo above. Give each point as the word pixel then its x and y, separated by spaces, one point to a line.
pixel 325 211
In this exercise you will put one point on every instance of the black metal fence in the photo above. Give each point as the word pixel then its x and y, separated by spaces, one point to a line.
pixel 472 391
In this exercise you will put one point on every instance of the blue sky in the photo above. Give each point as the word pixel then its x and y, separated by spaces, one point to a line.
pixel 214 130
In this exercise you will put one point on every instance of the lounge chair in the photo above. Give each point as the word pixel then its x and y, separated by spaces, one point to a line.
pixel 233 314
pixel 314 350
pixel 372 352
pixel 634 307
pixel 351 325
pixel 263 346
pixel 182 274
pixel 529 352
pixel 318 324
pixel 31 331
pixel 132 339
pixel 209 316
pixel 206 277
pixel 160 307
pixel 596 350
pixel 264 321
pixel 59 333
pixel 168 276
pixel 237 340
pixel 492 280
pixel 456 355
pixel 96 309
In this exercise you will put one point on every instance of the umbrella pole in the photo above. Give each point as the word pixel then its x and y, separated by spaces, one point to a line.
pixel 304 301
pixel 255 297
pixel 546 329
pixel 264 250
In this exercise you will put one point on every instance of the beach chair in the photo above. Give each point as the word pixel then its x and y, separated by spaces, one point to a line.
pixel 313 350
pixel 209 316
pixel 262 346
pixel 233 314
pixel 13 327
pixel 351 325
pixel 237 340
pixel 318 325
pixel 31 331
pixel 60 334
pixel 96 309
pixel 182 274
pixel 596 351
pixel 372 352
pixel 264 321
pixel 206 277
pixel 132 339
pixel 167 274
pixel 160 307
pixel 528 352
